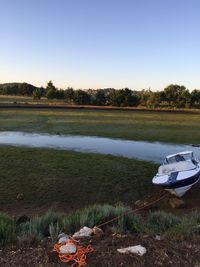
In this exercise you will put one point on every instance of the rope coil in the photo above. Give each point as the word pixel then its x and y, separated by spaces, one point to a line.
pixel 79 257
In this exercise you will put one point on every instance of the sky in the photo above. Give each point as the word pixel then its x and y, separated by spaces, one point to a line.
pixel 138 44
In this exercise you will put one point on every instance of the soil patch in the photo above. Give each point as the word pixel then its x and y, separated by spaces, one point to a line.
pixel 159 253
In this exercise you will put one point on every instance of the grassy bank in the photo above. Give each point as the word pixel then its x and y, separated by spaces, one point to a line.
pixel 78 179
pixel 51 224
pixel 132 125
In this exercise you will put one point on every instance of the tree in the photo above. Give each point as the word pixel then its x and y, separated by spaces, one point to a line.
pixel 69 94
pixel 123 97
pixel 99 98
pixel 183 100
pixel 81 97
pixel 195 97
pixel 26 89
pixel 37 94
pixel 176 95
pixel 144 97
pixel 51 90
pixel 154 99
pixel 60 94
pixel 50 86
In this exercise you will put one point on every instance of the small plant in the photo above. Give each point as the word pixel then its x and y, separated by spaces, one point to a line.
pixel 159 222
pixel 51 224
pixel 7 230
pixel 54 231
pixel 189 226
pixel 39 227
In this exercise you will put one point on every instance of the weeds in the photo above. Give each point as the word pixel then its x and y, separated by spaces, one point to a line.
pixel 51 224
pixel 7 229
pixel 160 221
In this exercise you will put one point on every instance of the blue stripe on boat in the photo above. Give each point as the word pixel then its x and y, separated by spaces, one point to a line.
pixel 173 183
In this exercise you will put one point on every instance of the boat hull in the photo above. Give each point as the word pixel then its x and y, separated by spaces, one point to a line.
pixel 176 186
pixel 179 192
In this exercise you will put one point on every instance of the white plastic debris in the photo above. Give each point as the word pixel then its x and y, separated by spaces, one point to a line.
pixel 68 249
pixel 83 232
pixel 158 237
pixel 139 250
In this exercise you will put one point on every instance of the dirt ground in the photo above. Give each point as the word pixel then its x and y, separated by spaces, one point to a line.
pixel 162 252
pixel 20 207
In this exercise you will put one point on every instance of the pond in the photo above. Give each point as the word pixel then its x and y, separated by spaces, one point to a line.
pixel 154 152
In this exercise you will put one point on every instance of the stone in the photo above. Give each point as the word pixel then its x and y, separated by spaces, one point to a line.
pixel 140 203
pixel 83 232
pixel 97 231
pixel 158 237
pixel 176 203
pixel 63 240
pixel 68 249
pixel 20 196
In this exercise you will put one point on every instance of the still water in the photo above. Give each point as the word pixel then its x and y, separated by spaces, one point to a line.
pixel 154 152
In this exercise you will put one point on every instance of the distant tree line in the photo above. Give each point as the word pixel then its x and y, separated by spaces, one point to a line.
pixel 177 96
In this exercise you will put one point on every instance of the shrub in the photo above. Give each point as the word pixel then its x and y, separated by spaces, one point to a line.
pixel 39 226
pixel 189 226
pixel 160 221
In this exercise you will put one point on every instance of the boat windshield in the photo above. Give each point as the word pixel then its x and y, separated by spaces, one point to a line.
pixel 179 157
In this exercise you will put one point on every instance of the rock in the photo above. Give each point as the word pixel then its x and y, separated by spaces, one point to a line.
pixel 176 203
pixel 139 250
pixel 83 232
pixel 63 238
pixel 158 237
pixel 140 203
pixel 97 231
pixel 68 249
pixel 20 196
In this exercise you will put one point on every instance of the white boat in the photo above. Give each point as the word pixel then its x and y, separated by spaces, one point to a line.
pixel 178 173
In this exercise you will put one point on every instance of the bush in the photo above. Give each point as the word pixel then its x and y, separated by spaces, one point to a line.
pixel 51 224
pixel 159 222
pixel 39 226
pixel 189 226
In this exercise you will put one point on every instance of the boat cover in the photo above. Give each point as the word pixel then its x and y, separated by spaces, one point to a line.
pixel 174 167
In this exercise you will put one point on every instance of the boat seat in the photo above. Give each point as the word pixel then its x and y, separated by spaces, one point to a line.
pixel 174 167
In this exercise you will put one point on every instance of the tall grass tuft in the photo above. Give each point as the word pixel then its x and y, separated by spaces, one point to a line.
pixel 54 231
pixel 51 224
pixel 40 227
pixel 7 230
pixel 188 227
pixel 159 222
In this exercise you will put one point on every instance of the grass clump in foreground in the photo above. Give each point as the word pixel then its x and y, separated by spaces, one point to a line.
pixel 51 224
pixel 7 230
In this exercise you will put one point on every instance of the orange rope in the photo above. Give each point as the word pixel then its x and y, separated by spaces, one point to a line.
pixel 78 257
pixel 134 210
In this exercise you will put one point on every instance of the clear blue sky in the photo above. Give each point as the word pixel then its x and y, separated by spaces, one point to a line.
pixel 101 43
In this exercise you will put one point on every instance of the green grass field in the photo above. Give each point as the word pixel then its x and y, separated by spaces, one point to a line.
pixel 26 99
pixel 78 179
pixel 68 181
pixel 132 125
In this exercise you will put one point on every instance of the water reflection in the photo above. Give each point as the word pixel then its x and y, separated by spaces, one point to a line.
pixel 132 149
